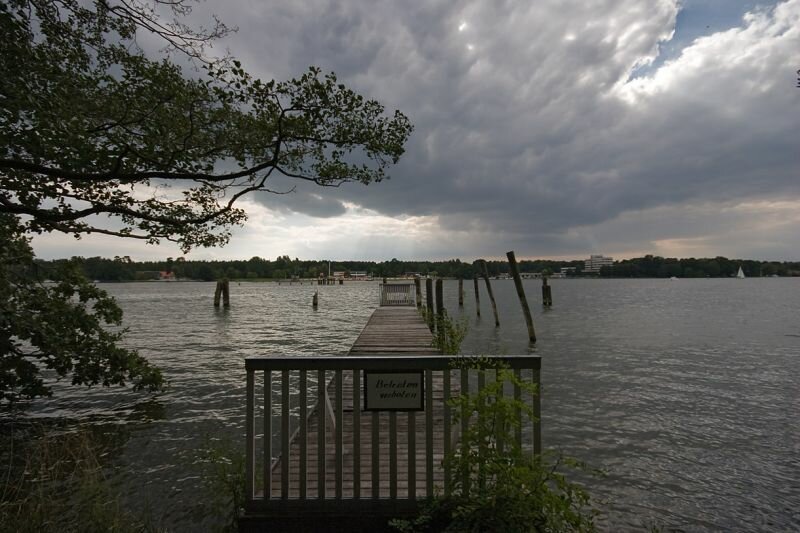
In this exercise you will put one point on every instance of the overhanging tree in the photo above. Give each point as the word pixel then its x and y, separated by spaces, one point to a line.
pixel 96 136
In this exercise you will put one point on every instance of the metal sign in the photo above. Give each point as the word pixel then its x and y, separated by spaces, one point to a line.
pixel 400 390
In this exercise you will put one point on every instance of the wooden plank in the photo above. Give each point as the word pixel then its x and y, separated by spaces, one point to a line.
pixel 394 330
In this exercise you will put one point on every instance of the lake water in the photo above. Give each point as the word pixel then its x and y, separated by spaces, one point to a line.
pixel 685 391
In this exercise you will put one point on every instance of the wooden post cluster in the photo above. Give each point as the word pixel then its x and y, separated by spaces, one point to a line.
pixel 418 288
pixel 523 301
pixel 547 293
pixel 491 294
pixel 223 289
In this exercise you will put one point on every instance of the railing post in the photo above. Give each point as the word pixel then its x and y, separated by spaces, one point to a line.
pixel 250 462
pixel 447 429
pixel 356 434
pixel 376 458
pixel 285 450
pixel 303 464
pixel 267 434
pixel 537 411
pixel 321 416
pixel 393 455
pixel 338 445
pixel 428 433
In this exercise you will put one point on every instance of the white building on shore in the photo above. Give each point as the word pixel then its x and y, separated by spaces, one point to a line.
pixel 596 262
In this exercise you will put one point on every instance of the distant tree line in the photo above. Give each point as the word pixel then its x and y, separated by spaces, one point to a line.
pixel 124 269
pixel 651 266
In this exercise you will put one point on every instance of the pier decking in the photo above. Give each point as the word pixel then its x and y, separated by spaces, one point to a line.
pixel 395 330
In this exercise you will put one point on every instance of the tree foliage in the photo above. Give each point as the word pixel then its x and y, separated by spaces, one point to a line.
pixel 53 318
pixel 97 136
pixel 94 127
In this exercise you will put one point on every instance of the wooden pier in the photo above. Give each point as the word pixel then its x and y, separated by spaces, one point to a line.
pixel 348 469
pixel 395 330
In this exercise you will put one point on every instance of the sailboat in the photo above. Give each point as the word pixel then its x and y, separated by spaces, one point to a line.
pixel 740 274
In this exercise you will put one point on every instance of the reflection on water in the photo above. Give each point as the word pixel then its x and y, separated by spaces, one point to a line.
pixel 685 392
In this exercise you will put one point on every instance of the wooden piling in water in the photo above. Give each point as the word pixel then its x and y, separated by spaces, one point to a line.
pixel 461 292
pixel 429 294
pixel 547 295
pixel 315 300
pixel 222 290
pixel 523 301
pixel 491 293
pixel 439 298
pixel 477 295
pixel 429 301
pixel 439 310
pixel 217 293
pixel 418 288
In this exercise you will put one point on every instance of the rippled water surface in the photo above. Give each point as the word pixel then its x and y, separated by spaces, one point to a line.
pixel 687 392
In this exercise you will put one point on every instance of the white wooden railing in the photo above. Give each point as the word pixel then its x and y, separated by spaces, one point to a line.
pixel 364 476
pixel 397 294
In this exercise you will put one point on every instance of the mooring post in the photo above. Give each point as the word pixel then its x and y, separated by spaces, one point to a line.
pixel 523 301
pixel 315 300
pixel 439 308
pixel 491 294
pixel 547 295
pixel 439 298
pixel 477 295
pixel 226 293
pixel 418 288
pixel 461 292
pixel 429 301
pixel 217 293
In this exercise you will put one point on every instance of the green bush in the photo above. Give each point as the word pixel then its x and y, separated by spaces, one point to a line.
pixel 496 485
pixel 448 334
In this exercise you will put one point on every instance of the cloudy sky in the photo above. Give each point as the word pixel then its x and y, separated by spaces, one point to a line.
pixel 554 128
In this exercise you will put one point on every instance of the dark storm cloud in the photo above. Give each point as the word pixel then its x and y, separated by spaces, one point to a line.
pixel 527 126
pixel 314 203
